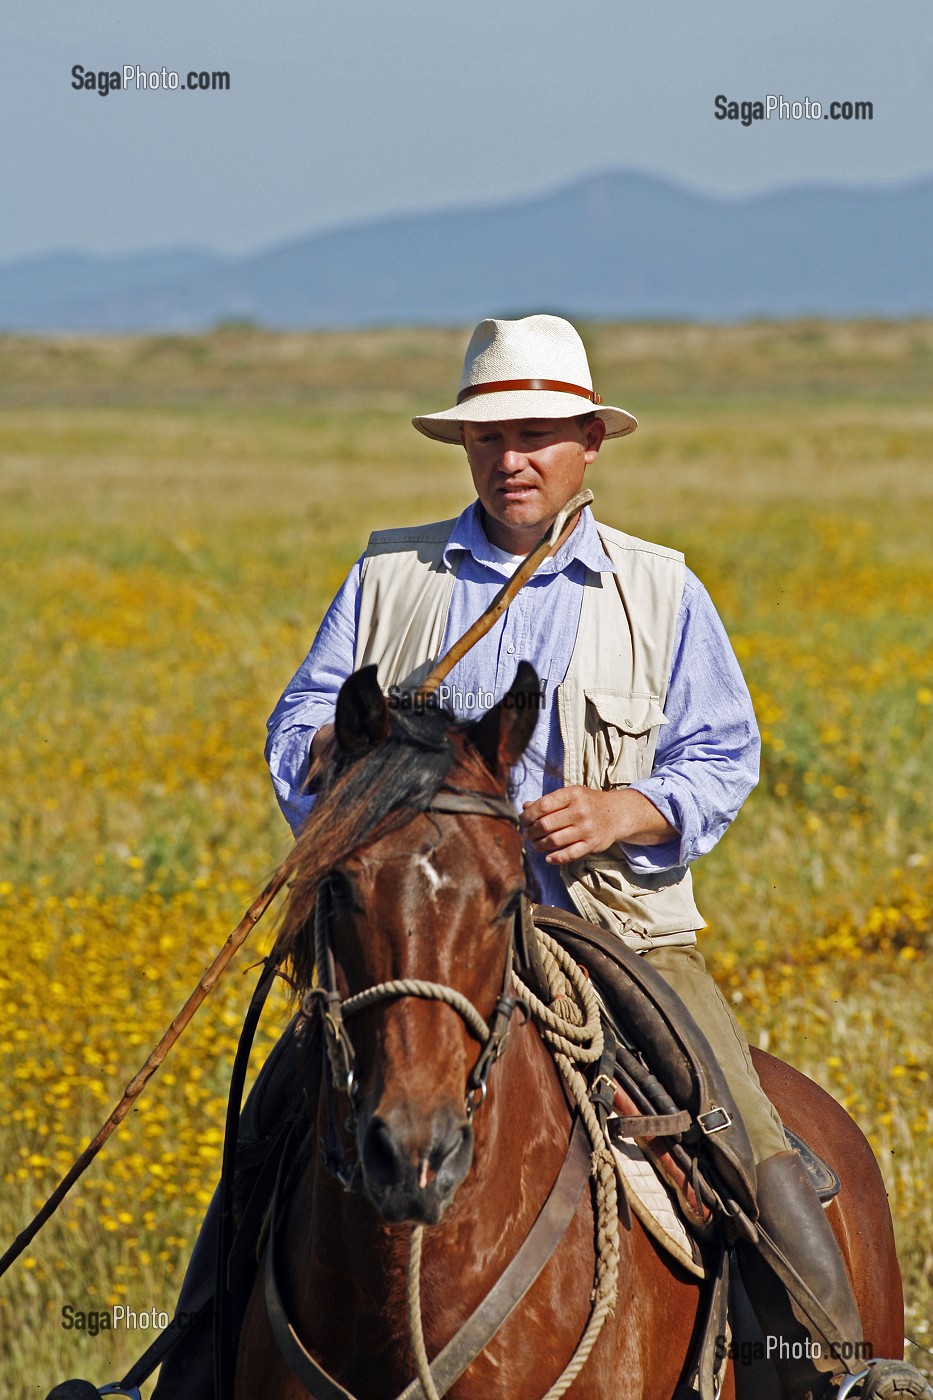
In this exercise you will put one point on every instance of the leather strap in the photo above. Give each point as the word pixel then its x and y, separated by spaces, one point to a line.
pixel 530 1258
pixel 479 1329
pixel 649 1125
pixel 157 1351
pixel 475 804
pixel 704 1379
pixel 502 386
pixel 528 948
pixel 224 1345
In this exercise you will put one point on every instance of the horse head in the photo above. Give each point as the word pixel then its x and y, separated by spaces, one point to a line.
pixel 407 882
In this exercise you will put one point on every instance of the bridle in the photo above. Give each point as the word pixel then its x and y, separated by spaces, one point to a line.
pixel 325 1002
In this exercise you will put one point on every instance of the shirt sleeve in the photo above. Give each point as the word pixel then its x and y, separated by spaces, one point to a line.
pixel 310 700
pixel 707 756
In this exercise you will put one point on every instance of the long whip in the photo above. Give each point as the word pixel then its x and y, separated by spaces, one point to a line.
pixel 545 546
pixel 136 1085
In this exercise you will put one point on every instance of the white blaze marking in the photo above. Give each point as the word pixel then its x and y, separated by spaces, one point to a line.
pixel 435 881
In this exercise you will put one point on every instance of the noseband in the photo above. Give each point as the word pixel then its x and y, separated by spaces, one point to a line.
pixel 325 1000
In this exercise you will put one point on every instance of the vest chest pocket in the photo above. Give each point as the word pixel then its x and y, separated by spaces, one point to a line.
pixel 619 737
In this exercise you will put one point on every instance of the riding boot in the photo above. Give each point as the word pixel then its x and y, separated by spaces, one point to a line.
pixel 792 1215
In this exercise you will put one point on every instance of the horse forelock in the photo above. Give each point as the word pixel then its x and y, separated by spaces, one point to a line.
pixel 363 800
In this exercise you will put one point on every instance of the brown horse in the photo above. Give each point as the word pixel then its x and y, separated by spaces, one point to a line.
pixel 430 893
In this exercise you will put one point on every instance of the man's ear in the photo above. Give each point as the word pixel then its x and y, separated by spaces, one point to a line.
pixel 362 718
pixel 594 437
pixel 502 735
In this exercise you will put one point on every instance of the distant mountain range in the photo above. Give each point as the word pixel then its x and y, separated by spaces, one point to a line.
pixel 614 246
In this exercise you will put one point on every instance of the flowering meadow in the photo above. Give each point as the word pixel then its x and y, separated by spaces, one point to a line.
pixel 175 514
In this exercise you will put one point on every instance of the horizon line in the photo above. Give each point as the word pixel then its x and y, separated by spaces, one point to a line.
pixel 490 204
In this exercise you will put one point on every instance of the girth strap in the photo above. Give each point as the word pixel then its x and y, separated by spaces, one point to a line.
pixel 479 1329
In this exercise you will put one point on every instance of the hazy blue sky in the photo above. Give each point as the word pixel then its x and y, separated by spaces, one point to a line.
pixel 359 107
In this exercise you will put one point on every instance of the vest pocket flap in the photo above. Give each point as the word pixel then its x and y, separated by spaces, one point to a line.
pixel 618 726
pixel 632 714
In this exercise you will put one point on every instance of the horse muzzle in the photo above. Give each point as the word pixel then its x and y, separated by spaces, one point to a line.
pixel 411 1171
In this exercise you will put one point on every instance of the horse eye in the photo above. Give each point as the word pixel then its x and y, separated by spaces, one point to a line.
pixel 341 890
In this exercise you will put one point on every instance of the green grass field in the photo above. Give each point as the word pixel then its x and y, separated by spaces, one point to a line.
pixel 175 515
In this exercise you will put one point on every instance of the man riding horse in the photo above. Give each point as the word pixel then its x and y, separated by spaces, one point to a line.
pixel 645 746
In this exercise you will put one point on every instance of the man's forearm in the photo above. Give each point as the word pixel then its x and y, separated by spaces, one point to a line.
pixel 638 821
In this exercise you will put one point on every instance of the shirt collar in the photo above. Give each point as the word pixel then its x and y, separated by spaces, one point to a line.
pixel 582 544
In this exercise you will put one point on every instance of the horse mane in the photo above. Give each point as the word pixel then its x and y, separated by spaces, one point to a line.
pixel 361 799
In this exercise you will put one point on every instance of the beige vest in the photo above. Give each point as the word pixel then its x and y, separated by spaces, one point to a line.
pixel 610 704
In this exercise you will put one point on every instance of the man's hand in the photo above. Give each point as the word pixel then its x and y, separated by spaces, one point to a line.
pixel 577 821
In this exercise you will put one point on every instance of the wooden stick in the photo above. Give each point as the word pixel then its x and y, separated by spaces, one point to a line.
pixel 136 1085
pixel 545 547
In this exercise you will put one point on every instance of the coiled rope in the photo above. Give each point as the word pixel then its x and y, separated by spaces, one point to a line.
pixel 570 1027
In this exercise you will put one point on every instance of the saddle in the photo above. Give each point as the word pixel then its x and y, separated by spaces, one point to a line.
pixel 683 1089
pixel 676 1095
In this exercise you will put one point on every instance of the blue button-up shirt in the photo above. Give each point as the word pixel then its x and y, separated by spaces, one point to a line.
pixel 707 754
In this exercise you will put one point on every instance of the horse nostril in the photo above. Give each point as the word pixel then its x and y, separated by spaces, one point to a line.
pixel 458 1141
pixel 381 1158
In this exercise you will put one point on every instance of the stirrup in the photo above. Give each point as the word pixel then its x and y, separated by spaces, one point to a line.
pixel 848 1384
pixel 884 1379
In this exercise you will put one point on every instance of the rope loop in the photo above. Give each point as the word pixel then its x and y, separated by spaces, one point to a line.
pixel 428 991
pixel 575 1029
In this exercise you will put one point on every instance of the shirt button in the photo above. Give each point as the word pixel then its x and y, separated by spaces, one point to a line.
pixel 510 650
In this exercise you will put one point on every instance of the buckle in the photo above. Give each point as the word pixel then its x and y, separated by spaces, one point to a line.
pixel 714 1120
pixel 603 1092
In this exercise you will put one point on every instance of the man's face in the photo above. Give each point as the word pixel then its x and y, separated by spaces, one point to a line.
pixel 525 470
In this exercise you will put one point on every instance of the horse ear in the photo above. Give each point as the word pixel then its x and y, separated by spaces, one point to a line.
pixel 362 718
pixel 502 735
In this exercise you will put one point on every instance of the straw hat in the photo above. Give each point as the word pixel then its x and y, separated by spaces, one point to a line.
pixel 532 368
